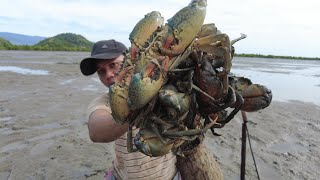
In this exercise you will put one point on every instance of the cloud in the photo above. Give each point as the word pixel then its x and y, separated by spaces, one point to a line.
pixel 273 27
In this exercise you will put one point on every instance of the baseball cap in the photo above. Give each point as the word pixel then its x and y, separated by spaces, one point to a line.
pixel 105 49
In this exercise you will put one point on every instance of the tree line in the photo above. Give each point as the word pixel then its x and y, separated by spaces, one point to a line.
pixel 277 57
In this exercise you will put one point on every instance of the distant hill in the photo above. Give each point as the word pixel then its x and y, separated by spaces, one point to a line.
pixel 65 42
pixel 21 39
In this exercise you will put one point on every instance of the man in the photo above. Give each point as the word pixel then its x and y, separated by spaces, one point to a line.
pixel 106 59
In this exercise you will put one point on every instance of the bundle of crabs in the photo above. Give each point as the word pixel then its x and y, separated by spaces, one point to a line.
pixel 176 83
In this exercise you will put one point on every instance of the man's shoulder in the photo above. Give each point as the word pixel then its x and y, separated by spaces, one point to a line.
pixel 102 99
pixel 100 102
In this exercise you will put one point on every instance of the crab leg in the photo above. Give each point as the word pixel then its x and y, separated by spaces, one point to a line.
pixel 158 134
pixel 180 70
pixel 191 132
pixel 238 39
pixel 233 113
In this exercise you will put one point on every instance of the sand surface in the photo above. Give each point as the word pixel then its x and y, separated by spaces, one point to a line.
pixel 43 131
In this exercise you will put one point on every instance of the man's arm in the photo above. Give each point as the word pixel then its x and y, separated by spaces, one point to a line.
pixel 103 128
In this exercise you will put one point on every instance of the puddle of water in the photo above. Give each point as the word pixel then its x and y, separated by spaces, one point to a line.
pixel 90 88
pixel 67 81
pixel 25 62
pixel 23 70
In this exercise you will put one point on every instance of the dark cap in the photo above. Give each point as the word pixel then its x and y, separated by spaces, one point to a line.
pixel 105 49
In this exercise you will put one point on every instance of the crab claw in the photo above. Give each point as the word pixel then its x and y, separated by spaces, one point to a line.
pixel 186 24
pixel 145 85
pixel 143 30
pixel 119 94
pixel 256 97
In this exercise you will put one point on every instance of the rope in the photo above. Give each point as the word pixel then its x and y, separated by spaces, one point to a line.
pixel 254 161
pixel 245 134
pixel 243 147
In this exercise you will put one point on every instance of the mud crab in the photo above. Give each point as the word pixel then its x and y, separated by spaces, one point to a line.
pixel 176 83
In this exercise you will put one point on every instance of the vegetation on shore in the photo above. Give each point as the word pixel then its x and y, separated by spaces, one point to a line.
pixel 60 42
pixel 74 42
pixel 276 57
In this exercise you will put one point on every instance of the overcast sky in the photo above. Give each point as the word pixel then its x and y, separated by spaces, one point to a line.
pixel 277 27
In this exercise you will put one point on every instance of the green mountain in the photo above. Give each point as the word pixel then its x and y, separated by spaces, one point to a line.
pixel 64 42
pixel 4 44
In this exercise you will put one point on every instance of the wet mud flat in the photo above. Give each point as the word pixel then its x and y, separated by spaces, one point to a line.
pixel 43 130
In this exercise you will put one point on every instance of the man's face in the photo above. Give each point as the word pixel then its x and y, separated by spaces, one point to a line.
pixel 108 69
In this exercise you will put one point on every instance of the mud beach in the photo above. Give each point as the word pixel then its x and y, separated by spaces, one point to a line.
pixel 43 130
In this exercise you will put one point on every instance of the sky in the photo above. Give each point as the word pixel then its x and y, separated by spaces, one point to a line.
pixel 273 27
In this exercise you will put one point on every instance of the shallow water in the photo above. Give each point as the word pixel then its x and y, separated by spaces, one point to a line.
pixel 288 79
